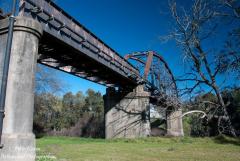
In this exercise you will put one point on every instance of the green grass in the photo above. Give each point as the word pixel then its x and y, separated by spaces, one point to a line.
pixel 144 149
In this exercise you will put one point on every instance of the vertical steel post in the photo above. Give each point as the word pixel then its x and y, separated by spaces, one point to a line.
pixel 6 67
pixel 148 64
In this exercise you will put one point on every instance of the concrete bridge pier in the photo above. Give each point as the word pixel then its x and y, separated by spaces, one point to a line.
pixel 17 137
pixel 127 113
pixel 174 123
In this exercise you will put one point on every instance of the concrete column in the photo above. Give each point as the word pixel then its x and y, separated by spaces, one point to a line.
pixel 127 113
pixel 174 123
pixel 18 139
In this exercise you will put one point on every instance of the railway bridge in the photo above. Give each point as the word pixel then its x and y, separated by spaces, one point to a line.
pixel 44 33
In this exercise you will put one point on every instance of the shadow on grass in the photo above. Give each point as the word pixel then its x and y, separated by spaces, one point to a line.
pixel 221 139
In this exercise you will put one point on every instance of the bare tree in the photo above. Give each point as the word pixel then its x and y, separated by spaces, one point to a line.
pixel 230 55
pixel 48 81
pixel 192 28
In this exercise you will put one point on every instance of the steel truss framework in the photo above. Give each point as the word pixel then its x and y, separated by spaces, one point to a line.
pixel 155 72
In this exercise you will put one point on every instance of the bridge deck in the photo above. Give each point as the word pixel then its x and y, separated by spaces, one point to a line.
pixel 68 46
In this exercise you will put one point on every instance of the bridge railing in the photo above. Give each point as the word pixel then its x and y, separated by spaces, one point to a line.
pixel 71 29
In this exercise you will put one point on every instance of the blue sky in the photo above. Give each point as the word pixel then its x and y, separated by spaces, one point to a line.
pixel 126 26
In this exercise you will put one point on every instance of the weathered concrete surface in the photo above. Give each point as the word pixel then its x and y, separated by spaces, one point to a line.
pixel 18 139
pixel 126 115
pixel 174 123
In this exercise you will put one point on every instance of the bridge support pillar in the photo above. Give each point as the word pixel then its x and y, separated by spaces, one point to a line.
pixel 127 113
pixel 17 137
pixel 174 123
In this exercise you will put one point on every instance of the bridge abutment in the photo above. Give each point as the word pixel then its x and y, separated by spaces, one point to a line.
pixel 127 113
pixel 17 137
pixel 174 123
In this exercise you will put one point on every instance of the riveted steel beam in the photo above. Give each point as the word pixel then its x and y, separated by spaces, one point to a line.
pixel 70 33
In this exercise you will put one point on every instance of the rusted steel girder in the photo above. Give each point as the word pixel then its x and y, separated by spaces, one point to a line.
pixel 148 64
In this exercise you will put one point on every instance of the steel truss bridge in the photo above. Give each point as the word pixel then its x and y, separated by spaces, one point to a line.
pixel 68 46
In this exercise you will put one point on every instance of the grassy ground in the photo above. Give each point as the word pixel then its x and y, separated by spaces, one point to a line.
pixel 149 149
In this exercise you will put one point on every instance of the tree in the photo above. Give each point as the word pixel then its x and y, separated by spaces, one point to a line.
pixel 46 113
pixel 194 29
pixel 94 108
pixel 94 101
pixel 69 115
pixel 80 102
pixel 47 105
pixel 233 97
pixel 204 126
pixel 47 81
pixel 230 55
pixel 70 111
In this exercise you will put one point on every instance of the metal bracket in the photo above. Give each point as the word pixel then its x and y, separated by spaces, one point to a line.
pixel 37 10
pixel 51 18
pixel 62 26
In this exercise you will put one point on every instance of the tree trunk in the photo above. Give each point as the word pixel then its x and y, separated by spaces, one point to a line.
pixel 225 113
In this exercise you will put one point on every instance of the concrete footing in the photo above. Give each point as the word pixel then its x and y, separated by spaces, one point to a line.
pixel 127 113
pixel 18 147
pixel 18 139
pixel 174 123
